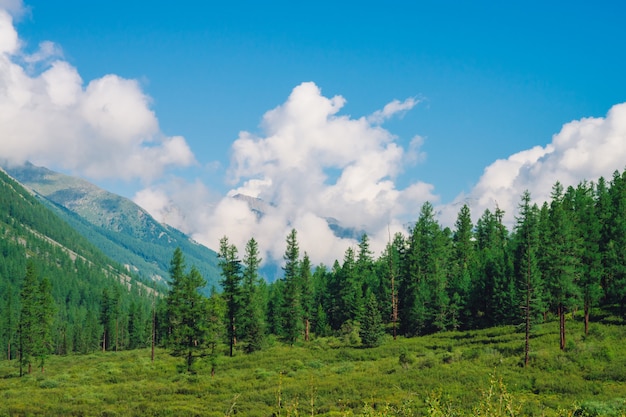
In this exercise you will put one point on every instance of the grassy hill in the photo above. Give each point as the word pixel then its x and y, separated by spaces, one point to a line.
pixel 115 225
pixel 447 374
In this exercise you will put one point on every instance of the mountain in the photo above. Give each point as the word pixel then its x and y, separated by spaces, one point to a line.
pixel 259 207
pixel 118 227
pixel 80 277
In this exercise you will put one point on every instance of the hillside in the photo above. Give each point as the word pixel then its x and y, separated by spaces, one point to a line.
pixel 118 227
pixel 79 274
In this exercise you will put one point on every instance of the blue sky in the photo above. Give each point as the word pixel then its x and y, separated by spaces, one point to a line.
pixel 480 82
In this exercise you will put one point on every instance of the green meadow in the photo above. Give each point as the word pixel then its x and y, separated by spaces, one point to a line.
pixel 447 374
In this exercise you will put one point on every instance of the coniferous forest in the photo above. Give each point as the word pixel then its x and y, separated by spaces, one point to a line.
pixel 562 259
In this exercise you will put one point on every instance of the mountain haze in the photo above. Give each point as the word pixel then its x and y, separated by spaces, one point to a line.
pixel 118 227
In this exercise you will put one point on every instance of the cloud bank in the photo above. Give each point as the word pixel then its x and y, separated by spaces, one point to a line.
pixel 309 164
pixel 585 149
pixel 104 129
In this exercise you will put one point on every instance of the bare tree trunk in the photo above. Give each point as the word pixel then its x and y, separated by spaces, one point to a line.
pixel 561 311
pixel 306 329
pixel 104 341
pixel 117 334
pixel 153 331
pixel 528 294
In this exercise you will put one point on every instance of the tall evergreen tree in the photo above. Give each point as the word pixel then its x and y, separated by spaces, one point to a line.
pixel 463 268
pixel 9 321
pixel 292 308
pixel 252 323
pixel 306 282
pixel 371 329
pixel 350 290
pixel 589 228
pixel 423 299
pixel 493 297
pixel 231 285
pixel 45 310
pixel 529 283
pixel 28 318
pixel 187 311
pixel 563 255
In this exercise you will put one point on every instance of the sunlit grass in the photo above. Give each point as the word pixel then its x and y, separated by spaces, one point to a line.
pixel 450 373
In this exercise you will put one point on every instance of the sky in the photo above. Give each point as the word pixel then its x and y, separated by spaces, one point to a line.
pixel 356 111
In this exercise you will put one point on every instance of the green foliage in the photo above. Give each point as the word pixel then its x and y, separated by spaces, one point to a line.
pixel 371 330
pixel 309 380
pixel 187 312
pixel 231 284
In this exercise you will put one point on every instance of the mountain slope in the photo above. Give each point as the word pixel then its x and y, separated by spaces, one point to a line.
pixel 78 272
pixel 117 226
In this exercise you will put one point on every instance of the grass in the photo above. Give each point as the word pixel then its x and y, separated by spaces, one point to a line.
pixel 452 373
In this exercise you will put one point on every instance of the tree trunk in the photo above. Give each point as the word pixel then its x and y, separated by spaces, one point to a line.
pixel 561 311
pixel 306 329
pixel 528 294
pixel 104 341
pixel 153 332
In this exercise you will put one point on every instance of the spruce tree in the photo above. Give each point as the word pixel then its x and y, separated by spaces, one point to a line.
pixel 462 269
pixel 528 277
pixel 252 326
pixel 563 256
pixel 589 227
pixel 231 285
pixel 187 312
pixel 28 318
pixel 371 329
pixel 45 310
pixel 292 308
pixel 306 282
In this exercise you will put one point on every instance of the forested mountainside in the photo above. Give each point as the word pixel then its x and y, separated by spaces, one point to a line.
pixel 93 297
pixel 115 225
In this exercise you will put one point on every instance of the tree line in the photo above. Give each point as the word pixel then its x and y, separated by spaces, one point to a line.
pixel 568 254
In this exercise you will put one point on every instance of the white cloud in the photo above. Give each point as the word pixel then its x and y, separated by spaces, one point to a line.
pixel 308 164
pixel 584 149
pixel 13 7
pixel 103 130
pixel 392 108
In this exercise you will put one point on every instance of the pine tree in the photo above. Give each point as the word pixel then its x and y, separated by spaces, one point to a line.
pixel 590 229
pixel 306 282
pixel 292 309
pixel 529 283
pixel 423 297
pixel 187 312
pixel 350 290
pixel 231 285
pixel 492 296
pixel 45 310
pixel 28 318
pixel 252 327
pixel 216 311
pixel 371 329
pixel 563 255
pixel 463 268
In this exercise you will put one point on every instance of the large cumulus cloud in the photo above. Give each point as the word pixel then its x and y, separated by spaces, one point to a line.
pixel 310 164
pixel 104 129
pixel 584 149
